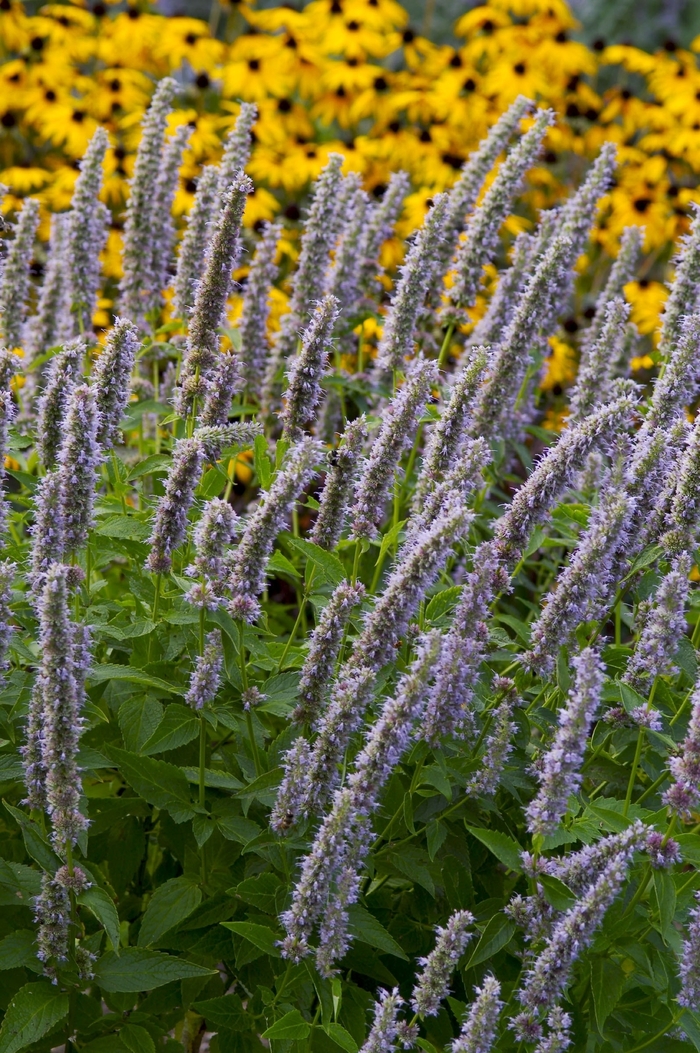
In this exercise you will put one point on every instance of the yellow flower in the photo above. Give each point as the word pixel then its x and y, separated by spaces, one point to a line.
pixel 647 299
pixel 560 366
pixel 188 40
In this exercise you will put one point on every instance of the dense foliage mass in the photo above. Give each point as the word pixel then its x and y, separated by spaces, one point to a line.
pixel 345 705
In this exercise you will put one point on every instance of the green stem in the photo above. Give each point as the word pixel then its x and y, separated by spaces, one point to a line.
pixel 445 349
pixel 297 623
pixel 248 714
pixel 660 1034
pixel 633 773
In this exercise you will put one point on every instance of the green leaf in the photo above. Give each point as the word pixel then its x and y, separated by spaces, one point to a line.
pixel 156 464
pixel 279 564
pixel 99 903
pixel 259 935
pixel 442 603
pixel 34 841
pixel 260 891
pixel 161 784
pixel 18 950
pixel 291 1026
pixel 365 927
pixel 226 1012
pixel 33 1012
pixel 495 936
pixel 219 780
pixel 137 969
pixel 125 527
pixel 433 775
pixel 178 726
pixel 170 904
pixel 557 894
pixel 501 845
pixel 607 981
pixel 341 1037
pixel 237 828
pixel 137 1039
pixel 665 890
pixel 687 658
pixel 99 673
pixel 327 566
pixel 138 719
pixel 411 862
pixel 262 462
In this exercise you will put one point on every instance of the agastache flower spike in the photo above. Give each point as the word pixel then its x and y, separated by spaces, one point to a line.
pixel 8 412
pixel 193 246
pixel 683 518
pixel 343 834
pixel 237 147
pixel 14 277
pixel 79 459
pixel 212 294
pixel 48 529
pixel 433 984
pixel 306 370
pixel 505 298
pixel 683 298
pixel 483 229
pixel 111 376
pixel 61 696
pixel 561 766
pixel 446 436
pixel 61 377
pixel 51 323
pixel 205 680
pixel 385 1033
pixel 163 232
pixel 677 385
pixel 460 480
pixel 324 646
pixel 683 796
pixel 546 979
pixel 395 435
pixel 621 272
pixel 256 309
pixel 342 279
pixel 87 234
pixel 7 574
pixel 484 782
pixel 213 533
pixel 292 793
pixel 579 869
pixel 317 240
pixel 689 968
pixel 220 386
pixel 597 362
pixel 249 560
pixel 558 1038
pixel 556 470
pixel 378 227
pixel 399 329
pixel 465 192
pixel 584 585
pixel 337 488
pixel 663 626
pixel 137 285
pixel 478 1032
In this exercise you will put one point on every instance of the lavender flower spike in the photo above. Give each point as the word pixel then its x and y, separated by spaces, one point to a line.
pixel 335 497
pixel 396 342
pixel 434 982
pixel 170 523
pixel 595 372
pixel 205 680
pixel 138 285
pixel 256 309
pixel 250 558
pixel 212 294
pixel 560 775
pixel 87 233
pixel 51 322
pixel 447 434
pixel 478 1032
pixel 395 435
pixel 555 471
pixel 14 278
pixel 8 412
pixel 62 700
pixel 79 459
pixel 689 969
pixel 62 376
pixel 498 745
pixel 483 229
pixel 213 533
pixel 324 645
pixel 163 232
pixel 342 277
pixel 307 369
pixel 505 298
pixel 48 529
pixel 683 518
pixel 385 1033
pixel 378 227
pixel 621 272
pixel 110 378
pixel 220 386
pixel 683 796
pixel 193 246
pixel 558 1038
pixel 683 299
pixel 663 625
pixel 237 146
pixel 678 383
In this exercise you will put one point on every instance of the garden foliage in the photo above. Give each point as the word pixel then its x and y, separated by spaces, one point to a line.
pixel 345 706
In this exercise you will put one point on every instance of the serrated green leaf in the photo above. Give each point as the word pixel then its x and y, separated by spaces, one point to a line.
pixel 99 903
pixel 341 1037
pixel 260 891
pixel 442 603
pixel 34 841
pixel 226 1012
pixel 259 935
pixel 328 567
pixel 33 1012
pixel 161 784
pixel 607 981
pixel 261 462
pixel 557 894
pixel 291 1026
pixel 366 928
pixel 501 845
pixel 665 891
pixel 136 1039
pixel 138 719
pixel 138 969
pixel 18 950
pixel 170 904
pixel 100 673
pixel 178 727
pixel 124 527
pixel 495 936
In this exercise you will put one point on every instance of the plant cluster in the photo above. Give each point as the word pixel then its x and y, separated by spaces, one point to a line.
pixel 393 740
